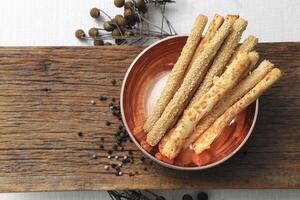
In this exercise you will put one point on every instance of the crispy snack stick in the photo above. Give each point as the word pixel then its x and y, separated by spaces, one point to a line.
pixel 178 71
pixel 200 108
pixel 214 25
pixel 191 81
pixel 248 45
pixel 222 58
pixel 232 97
pixel 207 138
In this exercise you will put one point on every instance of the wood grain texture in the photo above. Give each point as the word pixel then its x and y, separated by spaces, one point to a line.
pixel 40 149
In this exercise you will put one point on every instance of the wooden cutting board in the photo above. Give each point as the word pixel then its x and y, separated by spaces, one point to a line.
pixel 45 100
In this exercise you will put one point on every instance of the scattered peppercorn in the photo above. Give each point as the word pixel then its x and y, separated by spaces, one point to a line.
pixel 93 102
pixel 80 134
pixel 106 167
pixel 94 156
pixel 102 139
pixel 145 169
pixel 103 98
pixel 142 158
pixel 113 82
pixel 202 196
pixel 187 197
pixel 110 152
pixel 108 123
pixel 101 146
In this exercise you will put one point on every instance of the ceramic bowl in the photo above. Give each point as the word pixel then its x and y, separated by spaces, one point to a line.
pixel 141 88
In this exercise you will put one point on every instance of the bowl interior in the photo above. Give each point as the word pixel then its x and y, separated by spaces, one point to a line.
pixel 142 85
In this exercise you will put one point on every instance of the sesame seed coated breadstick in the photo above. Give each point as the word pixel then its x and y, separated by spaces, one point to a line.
pixel 204 105
pixel 178 71
pixel 191 81
pixel 222 58
pixel 207 138
pixel 248 45
pixel 214 25
pixel 233 96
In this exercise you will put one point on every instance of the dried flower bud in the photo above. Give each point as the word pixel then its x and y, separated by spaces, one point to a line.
pixel 95 12
pixel 116 33
pixel 128 14
pixel 119 3
pixel 108 26
pixel 79 34
pixel 93 32
pixel 140 3
pixel 120 20
pixel 98 42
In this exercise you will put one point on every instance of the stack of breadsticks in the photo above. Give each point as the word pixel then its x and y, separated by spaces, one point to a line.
pixel 213 80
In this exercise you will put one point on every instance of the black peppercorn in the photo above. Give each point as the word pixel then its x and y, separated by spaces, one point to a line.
pixel 110 152
pixel 80 134
pixel 108 123
pixel 103 98
pixel 113 82
pixel 202 196
pixel 187 197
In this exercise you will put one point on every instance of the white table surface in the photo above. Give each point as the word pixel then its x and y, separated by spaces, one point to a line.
pixel 53 22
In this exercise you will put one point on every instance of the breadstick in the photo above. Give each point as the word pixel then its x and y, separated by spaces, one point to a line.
pixel 214 25
pixel 222 58
pixel 233 96
pixel 178 71
pixel 191 81
pixel 207 138
pixel 248 45
pixel 192 116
